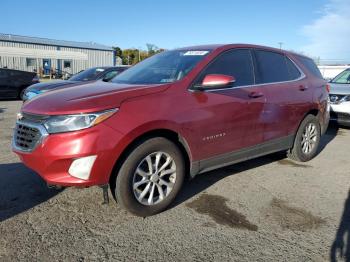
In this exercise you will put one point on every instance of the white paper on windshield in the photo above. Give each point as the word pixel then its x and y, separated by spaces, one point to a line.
pixel 196 53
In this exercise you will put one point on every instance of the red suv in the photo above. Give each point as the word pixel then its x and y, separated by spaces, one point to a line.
pixel 178 113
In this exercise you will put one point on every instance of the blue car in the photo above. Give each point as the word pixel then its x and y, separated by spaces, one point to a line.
pixel 92 74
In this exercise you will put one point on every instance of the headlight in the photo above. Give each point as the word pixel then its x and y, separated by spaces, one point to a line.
pixel 67 123
pixel 43 91
pixel 345 98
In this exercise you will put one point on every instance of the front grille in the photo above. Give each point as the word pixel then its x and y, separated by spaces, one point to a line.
pixel 26 137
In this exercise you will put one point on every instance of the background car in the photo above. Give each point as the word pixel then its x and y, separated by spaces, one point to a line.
pixel 91 74
pixel 60 74
pixel 340 98
pixel 13 82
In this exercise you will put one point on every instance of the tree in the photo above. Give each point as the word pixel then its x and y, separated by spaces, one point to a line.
pixel 132 56
pixel 152 49
pixel 118 51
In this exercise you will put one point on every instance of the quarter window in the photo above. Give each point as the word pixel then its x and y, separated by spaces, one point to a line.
pixel 237 63
pixel 272 67
pixel 311 66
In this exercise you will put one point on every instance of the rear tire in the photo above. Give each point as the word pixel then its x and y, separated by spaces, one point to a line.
pixel 150 177
pixel 306 141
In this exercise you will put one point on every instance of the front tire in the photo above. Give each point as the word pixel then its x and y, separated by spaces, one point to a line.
pixel 21 94
pixel 150 177
pixel 307 140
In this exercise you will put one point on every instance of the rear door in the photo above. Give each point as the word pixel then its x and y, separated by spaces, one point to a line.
pixel 232 114
pixel 286 92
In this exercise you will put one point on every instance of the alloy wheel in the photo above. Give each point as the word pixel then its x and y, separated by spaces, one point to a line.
pixel 309 138
pixel 154 178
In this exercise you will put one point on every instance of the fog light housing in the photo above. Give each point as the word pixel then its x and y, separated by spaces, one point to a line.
pixel 81 167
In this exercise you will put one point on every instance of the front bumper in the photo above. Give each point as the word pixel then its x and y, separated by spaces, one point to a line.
pixel 54 155
pixel 340 113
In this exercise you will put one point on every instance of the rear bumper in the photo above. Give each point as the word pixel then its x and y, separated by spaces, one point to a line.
pixel 52 158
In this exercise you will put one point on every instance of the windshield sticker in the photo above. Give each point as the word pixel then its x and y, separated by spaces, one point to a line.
pixel 167 80
pixel 100 70
pixel 196 53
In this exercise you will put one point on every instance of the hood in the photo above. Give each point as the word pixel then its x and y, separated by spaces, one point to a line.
pixel 86 98
pixel 41 87
pixel 340 89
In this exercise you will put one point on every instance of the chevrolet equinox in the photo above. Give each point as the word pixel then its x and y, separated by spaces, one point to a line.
pixel 181 112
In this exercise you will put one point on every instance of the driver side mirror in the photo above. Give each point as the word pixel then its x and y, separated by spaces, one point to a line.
pixel 216 81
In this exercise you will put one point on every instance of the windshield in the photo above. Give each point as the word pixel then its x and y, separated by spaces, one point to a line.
pixel 86 75
pixel 342 78
pixel 165 67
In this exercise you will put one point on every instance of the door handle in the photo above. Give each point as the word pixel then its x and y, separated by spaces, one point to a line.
pixel 255 94
pixel 303 88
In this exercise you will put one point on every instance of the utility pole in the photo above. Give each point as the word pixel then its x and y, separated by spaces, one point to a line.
pixel 280 44
pixel 139 48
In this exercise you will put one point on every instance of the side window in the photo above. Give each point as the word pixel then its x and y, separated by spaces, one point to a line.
pixel 311 66
pixel 272 67
pixel 294 72
pixel 108 76
pixel 342 78
pixel 237 63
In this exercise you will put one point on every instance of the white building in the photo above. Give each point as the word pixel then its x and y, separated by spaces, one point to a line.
pixel 42 54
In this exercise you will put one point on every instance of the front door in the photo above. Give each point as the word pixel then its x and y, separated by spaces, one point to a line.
pixel 230 116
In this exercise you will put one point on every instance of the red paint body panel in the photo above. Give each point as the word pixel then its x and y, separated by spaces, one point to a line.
pixel 237 118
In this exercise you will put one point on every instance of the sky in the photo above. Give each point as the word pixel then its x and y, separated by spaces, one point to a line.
pixel 318 28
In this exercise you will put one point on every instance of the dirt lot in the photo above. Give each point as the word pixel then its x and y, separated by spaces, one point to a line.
pixel 267 209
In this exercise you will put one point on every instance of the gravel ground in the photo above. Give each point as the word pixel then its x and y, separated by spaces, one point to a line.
pixel 267 209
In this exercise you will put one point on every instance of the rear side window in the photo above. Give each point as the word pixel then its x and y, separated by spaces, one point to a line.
pixel 310 66
pixel 271 67
pixel 237 63
pixel 294 72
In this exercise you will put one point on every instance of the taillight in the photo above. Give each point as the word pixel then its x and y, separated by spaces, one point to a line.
pixel 328 88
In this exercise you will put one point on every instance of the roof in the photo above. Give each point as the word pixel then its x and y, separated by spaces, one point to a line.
pixel 201 47
pixel 53 42
pixel 236 45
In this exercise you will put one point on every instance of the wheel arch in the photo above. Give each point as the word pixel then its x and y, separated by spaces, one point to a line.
pixel 313 111
pixel 172 135
pixel 319 115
